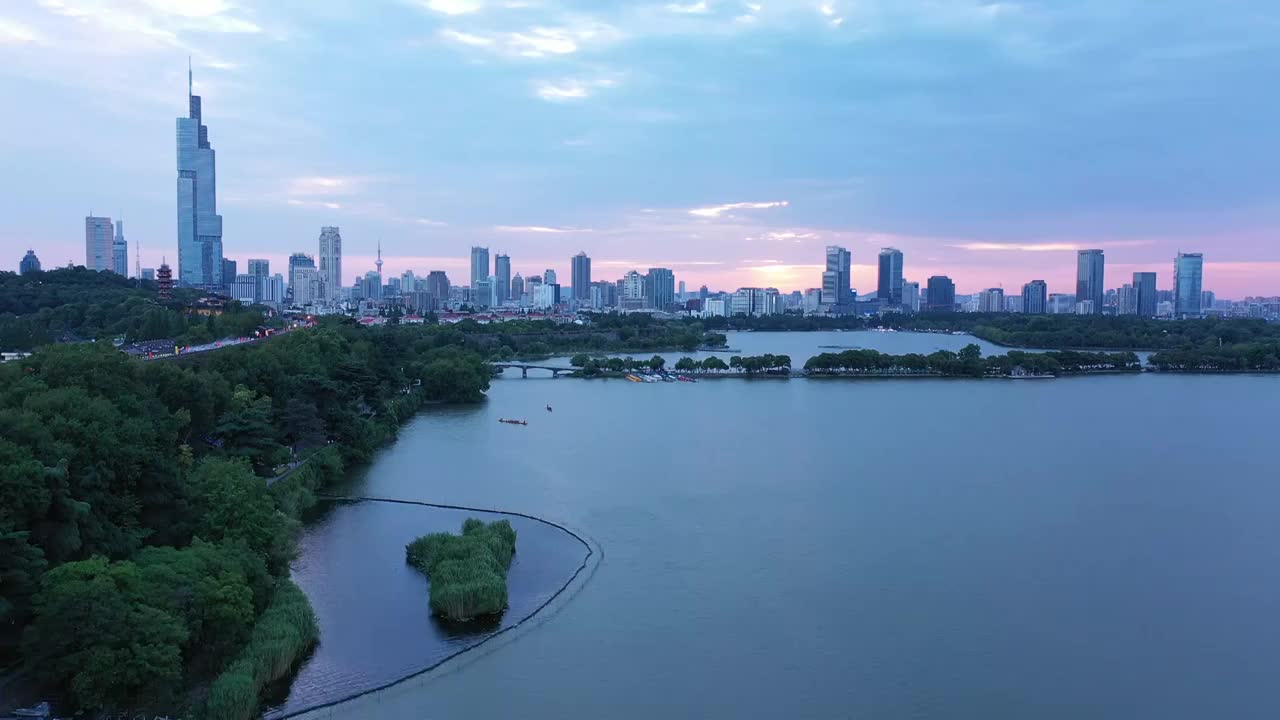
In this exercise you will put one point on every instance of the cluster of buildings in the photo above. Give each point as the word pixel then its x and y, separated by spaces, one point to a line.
pixel 314 282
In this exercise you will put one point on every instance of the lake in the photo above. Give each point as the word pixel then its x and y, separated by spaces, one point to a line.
pixel 1103 547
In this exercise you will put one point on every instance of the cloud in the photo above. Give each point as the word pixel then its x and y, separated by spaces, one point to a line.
pixel 718 210
pixel 695 8
pixel 466 38
pixel 427 222
pixel 572 88
pixel 1047 247
pixel 538 229
pixel 453 7
pixel 320 185
pixel 15 33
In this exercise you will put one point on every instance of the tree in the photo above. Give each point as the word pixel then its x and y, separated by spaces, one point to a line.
pixel 715 364
pixel 686 364
pixel 231 504
pixel 657 362
pixel 302 425
pixel 246 431
pixel 735 362
pixel 579 360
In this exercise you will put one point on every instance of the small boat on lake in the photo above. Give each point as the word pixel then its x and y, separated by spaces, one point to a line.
pixel 513 422
pixel 548 408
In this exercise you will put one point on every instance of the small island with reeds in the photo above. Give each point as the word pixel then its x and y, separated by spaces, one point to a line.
pixel 468 572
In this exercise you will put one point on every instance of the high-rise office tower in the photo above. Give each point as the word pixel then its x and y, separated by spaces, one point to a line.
pixel 911 296
pixel 837 287
pixel 304 285
pixel 479 265
pixel 408 283
pixel 940 295
pixel 580 276
pixel 1035 297
pixel 228 273
pixel 259 267
pixel 438 287
pixel 1188 276
pixel 1089 278
pixel 120 252
pixel 501 278
pixel 300 261
pixel 660 288
pixel 199 224
pixel 29 263
pixel 517 287
pixel 991 300
pixel 330 265
pixel 1145 294
pixel 889 288
pixel 549 277
pixel 97 243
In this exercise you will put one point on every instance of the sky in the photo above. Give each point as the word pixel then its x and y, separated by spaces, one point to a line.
pixel 730 141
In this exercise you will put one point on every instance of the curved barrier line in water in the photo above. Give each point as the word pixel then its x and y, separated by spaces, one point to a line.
pixel 592 551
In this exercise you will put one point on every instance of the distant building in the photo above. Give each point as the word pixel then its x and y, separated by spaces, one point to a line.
pixel 245 288
pixel 580 276
pixel 545 296
pixel 303 261
pixel 517 288
pixel 632 286
pixel 97 243
pixel 29 263
pixel 479 267
pixel 680 292
pixel 604 294
pixel 1164 308
pixel 1086 307
pixel 149 274
pixel 889 289
pixel 482 292
pixel 1035 297
pixel 991 300
pixel 837 285
pixel 501 279
pixel 660 288
pixel 911 296
pixel 164 281
pixel 754 301
pixel 438 288
pixel 304 287
pixel 228 274
pixel 1089 279
pixel 371 286
pixel 1207 300
pixel 120 252
pixel 199 224
pixel 408 283
pixel 1126 300
pixel 715 307
pixel 703 292
pixel 940 295
pixel 1062 304
pixel 1188 275
pixel 1145 294
pixel 549 277
pixel 271 290
pixel 330 258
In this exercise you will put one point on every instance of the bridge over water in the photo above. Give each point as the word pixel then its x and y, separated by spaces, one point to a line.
pixel 525 368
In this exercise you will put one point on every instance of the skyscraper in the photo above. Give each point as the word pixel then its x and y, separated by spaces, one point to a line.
pixel 501 278
pixel 300 261
pixel 29 263
pixel 941 294
pixel 199 224
pixel 1144 288
pixel 991 300
pixel 479 265
pixel 660 288
pixel 1035 297
pixel 580 276
pixel 890 287
pixel 1089 279
pixel 549 277
pixel 911 296
pixel 97 243
pixel 259 267
pixel 836 280
pixel 228 273
pixel 330 265
pixel 1188 275
pixel 517 287
pixel 438 287
pixel 120 252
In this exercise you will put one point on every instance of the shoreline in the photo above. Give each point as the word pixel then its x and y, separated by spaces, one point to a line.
pixel 575 582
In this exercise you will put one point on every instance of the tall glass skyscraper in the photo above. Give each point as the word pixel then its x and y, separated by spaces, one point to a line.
pixel 120 252
pixel 580 276
pixel 837 291
pixel 941 294
pixel 330 264
pixel 890 286
pixel 1089 274
pixel 97 243
pixel 1035 297
pixel 1144 290
pixel 199 224
pixel 1188 275
pixel 501 278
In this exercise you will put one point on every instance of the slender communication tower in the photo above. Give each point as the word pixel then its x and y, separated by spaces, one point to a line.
pixel 379 262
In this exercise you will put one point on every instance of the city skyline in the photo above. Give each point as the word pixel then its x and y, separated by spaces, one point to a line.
pixel 612 140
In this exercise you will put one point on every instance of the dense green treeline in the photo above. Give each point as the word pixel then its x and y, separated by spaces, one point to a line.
pixel 468 572
pixel 969 363
pixel 637 332
pixel 1241 357
pixel 40 308
pixel 141 549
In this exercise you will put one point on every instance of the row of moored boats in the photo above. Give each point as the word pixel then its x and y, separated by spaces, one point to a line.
pixel 659 377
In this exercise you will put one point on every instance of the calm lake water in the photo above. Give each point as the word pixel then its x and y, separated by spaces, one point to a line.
pixel 1094 547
